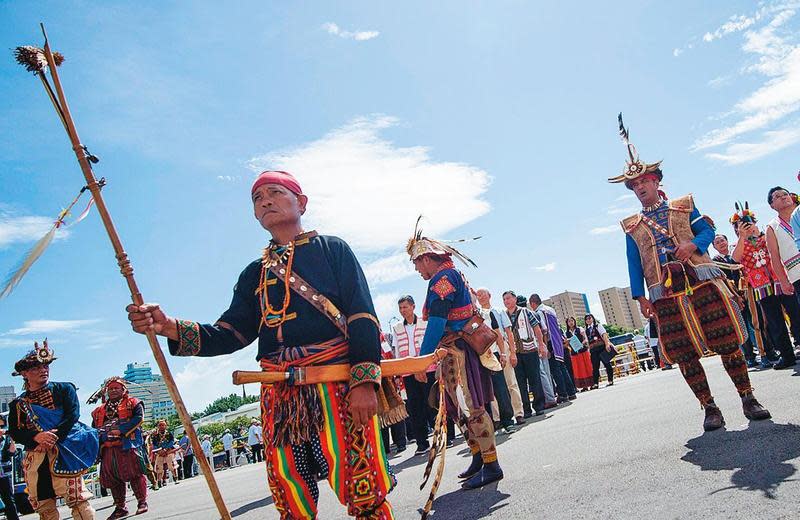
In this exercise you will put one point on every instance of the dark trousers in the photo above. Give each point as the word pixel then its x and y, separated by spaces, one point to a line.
pixel 599 356
pixel 529 380
pixel 258 452
pixel 188 465
pixel 7 494
pixel 418 409
pixel 773 307
pixel 503 397
pixel 568 364
pixel 398 436
pixel 564 386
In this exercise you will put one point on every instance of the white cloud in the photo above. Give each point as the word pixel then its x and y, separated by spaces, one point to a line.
pixel 627 196
pixel 604 230
pixel 778 61
pixel 40 327
pixel 677 52
pixel 15 343
pixel 21 229
pixel 228 178
pixel 335 30
pixel 388 269
pixel 547 268
pixel 745 152
pixel 621 210
pixel 386 307
pixel 203 380
pixel 356 163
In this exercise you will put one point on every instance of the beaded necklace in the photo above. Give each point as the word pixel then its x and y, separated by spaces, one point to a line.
pixel 274 254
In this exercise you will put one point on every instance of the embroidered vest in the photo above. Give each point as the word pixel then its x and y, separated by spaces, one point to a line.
pixel 124 411
pixel 790 256
pixel 679 226
pixel 404 342
pixel 757 265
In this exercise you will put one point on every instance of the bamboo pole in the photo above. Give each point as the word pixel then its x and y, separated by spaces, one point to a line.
pixel 127 272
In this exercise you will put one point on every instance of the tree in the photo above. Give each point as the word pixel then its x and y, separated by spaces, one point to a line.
pixel 224 404
pixel 614 330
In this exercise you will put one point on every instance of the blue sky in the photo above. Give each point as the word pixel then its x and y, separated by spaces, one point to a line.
pixel 495 119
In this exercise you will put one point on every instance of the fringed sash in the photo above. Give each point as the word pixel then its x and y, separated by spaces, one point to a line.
pixel 296 411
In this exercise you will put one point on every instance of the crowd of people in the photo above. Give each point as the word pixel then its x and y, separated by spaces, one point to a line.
pixel 492 366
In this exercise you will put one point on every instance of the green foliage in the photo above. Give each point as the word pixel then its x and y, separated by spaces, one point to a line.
pixel 238 427
pixel 614 330
pixel 224 404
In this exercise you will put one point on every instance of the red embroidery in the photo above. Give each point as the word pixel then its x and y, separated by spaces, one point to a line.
pixel 443 287
pixel 460 313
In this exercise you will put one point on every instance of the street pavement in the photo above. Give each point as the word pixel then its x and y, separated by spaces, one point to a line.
pixel 634 450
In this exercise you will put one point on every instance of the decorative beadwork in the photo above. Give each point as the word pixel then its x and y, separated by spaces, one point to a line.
pixel 443 287
pixel 366 372
pixel 188 338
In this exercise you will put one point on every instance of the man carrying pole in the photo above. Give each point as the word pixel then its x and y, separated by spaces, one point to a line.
pixel 307 302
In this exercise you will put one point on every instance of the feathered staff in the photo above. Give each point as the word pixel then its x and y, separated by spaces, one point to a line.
pixel 39 60
pixel 13 279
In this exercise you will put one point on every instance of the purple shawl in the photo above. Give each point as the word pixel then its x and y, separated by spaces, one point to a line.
pixel 556 334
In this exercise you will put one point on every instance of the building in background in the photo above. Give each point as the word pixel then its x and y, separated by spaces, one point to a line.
pixel 7 395
pixel 620 309
pixel 150 389
pixel 568 304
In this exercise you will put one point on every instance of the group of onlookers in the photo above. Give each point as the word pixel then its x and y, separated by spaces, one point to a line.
pixel 534 364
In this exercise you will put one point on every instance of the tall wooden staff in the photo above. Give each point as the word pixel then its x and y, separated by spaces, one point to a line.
pixel 31 57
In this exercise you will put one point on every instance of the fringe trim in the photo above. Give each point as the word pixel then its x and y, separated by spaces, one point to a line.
pixel 298 416
pixel 391 408
pixel 704 272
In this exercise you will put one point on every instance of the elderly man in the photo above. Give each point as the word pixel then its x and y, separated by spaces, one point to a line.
pixel 307 302
pixel 448 307
pixel 255 439
pixel 509 361
pixel 667 245
pixel 44 419
pixel 119 421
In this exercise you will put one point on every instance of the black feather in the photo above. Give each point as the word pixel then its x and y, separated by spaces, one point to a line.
pixel 623 132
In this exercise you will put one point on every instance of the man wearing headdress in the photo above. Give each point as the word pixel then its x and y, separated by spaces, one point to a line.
pixel 58 448
pixel 307 302
pixel 667 245
pixel 448 307
pixel 119 421
pixel 164 447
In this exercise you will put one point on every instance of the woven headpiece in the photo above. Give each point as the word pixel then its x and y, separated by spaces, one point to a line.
pixel 43 355
pixel 634 167
pixel 102 393
pixel 743 215
pixel 419 245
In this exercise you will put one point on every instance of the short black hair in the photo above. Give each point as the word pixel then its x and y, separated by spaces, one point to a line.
pixel 512 293
pixel 536 299
pixel 772 192
pixel 721 235
pixel 406 298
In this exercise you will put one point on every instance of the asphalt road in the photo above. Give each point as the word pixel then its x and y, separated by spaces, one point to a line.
pixel 634 450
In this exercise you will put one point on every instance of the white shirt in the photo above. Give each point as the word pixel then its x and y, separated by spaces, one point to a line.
pixel 413 348
pixel 227 441
pixel 206 445
pixel 254 435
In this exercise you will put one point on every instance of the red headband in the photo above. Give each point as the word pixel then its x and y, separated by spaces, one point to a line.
pixel 280 178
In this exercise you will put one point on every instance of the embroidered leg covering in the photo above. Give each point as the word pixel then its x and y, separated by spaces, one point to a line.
pixel 48 510
pixel 736 367
pixel 359 471
pixel 695 377
pixel 139 488
pixel 118 493
pixel 76 496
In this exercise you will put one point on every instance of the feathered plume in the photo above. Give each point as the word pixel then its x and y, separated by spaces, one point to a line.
pixel 623 132
pixel 439 245
pixel 41 246
pixel 33 59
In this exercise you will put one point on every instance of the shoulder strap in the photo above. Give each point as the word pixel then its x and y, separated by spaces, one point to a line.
pixel 311 295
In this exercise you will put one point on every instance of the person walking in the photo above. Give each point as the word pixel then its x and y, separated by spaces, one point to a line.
pixel 7 450
pixel 188 456
pixel 255 439
pixel 531 351
pixel 227 445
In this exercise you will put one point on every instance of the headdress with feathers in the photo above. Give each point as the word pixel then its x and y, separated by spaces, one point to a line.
pixel 102 393
pixel 40 355
pixel 419 245
pixel 634 167
pixel 743 215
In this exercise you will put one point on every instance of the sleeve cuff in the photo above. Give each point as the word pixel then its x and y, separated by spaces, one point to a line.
pixel 365 372
pixel 188 343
